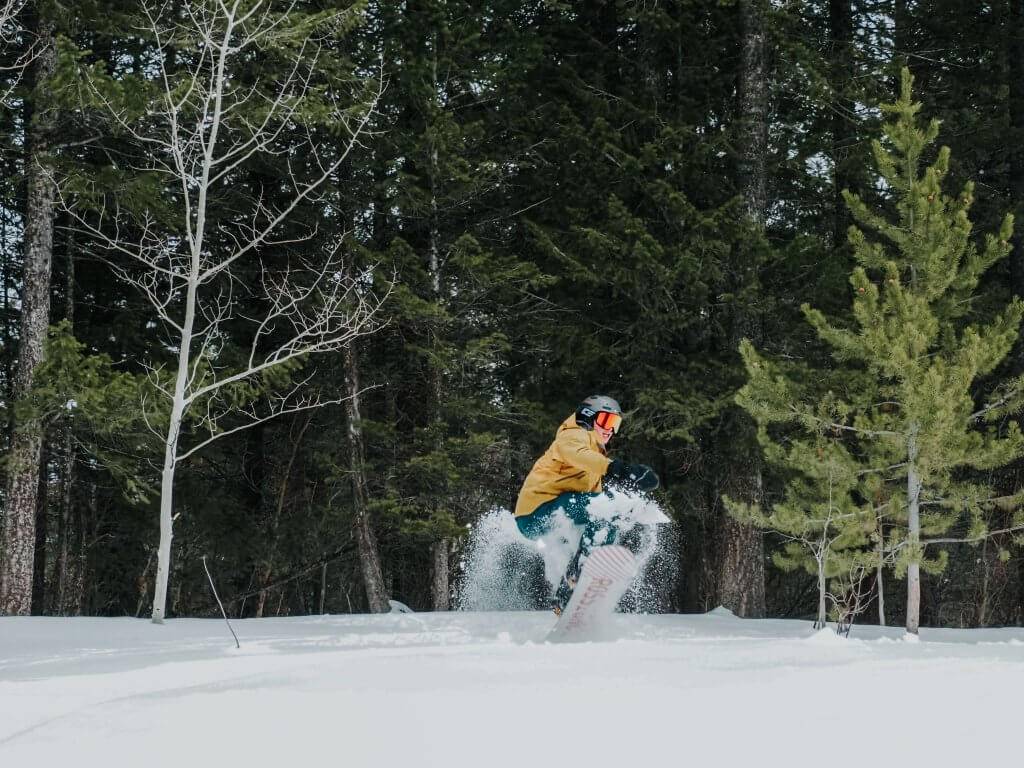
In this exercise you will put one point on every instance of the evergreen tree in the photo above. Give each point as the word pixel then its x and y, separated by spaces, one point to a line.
pixel 443 218
pixel 559 190
pixel 911 358
pixel 825 525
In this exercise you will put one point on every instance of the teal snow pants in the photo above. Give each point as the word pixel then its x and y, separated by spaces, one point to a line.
pixel 573 505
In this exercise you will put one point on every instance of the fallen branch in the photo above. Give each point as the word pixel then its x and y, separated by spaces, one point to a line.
pixel 222 611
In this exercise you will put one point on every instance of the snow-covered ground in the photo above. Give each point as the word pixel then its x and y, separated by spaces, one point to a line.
pixel 485 690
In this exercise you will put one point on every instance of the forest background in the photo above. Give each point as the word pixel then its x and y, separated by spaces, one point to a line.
pixel 511 205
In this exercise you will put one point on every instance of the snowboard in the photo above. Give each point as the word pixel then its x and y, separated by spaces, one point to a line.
pixel 605 577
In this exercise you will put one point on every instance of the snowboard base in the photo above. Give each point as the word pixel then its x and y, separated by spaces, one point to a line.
pixel 606 575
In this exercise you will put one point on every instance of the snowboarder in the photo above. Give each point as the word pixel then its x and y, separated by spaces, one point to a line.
pixel 572 472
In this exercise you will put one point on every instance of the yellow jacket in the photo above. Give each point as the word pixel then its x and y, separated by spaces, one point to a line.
pixel 576 461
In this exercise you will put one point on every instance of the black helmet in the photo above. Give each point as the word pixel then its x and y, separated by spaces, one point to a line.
pixel 594 405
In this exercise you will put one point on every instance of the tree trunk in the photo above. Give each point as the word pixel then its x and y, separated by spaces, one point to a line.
pixel 42 534
pixel 66 459
pixel 753 94
pixel 163 558
pixel 901 39
pixel 440 583
pixel 73 554
pixel 254 470
pixel 879 573
pixel 64 521
pixel 696 555
pixel 142 586
pixel 369 556
pixel 741 554
pixel 913 534
pixel 78 585
pixel 982 600
pixel 275 520
pixel 439 549
pixel 740 577
pixel 323 587
pixel 841 65
pixel 822 621
pixel 177 417
pixel 8 344
pixel 18 542
pixel 1015 151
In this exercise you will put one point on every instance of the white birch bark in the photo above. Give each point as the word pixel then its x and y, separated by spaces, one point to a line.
pixel 822 620
pixel 913 533
pixel 879 573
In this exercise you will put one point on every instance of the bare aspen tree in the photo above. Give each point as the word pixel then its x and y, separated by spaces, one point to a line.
pixel 8 11
pixel 203 126
pixel 20 25
pixel 851 595
pixel 11 29
pixel 825 532
pixel 820 538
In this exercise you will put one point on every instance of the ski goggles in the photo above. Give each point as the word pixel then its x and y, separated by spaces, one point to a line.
pixel 606 420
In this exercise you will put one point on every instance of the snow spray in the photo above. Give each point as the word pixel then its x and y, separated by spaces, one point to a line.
pixel 502 570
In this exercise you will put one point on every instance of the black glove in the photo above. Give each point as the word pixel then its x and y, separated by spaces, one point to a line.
pixel 646 478
pixel 631 477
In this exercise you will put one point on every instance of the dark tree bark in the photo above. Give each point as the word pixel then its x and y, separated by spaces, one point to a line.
pixel 274 531
pixel 1015 148
pixel 698 559
pixel 8 336
pixel 64 527
pixel 366 541
pixel 900 39
pixel 440 588
pixel 42 534
pixel 78 574
pixel 1015 157
pixel 841 64
pixel 753 110
pixel 19 523
pixel 65 460
pixel 739 547
pixel 254 471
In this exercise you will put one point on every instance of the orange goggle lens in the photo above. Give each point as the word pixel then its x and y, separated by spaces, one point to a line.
pixel 607 420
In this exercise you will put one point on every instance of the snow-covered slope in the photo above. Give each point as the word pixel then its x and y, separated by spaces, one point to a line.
pixel 484 690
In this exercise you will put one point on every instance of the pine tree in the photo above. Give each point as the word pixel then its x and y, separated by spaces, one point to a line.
pixel 911 359
pixel 825 527
pixel 443 219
